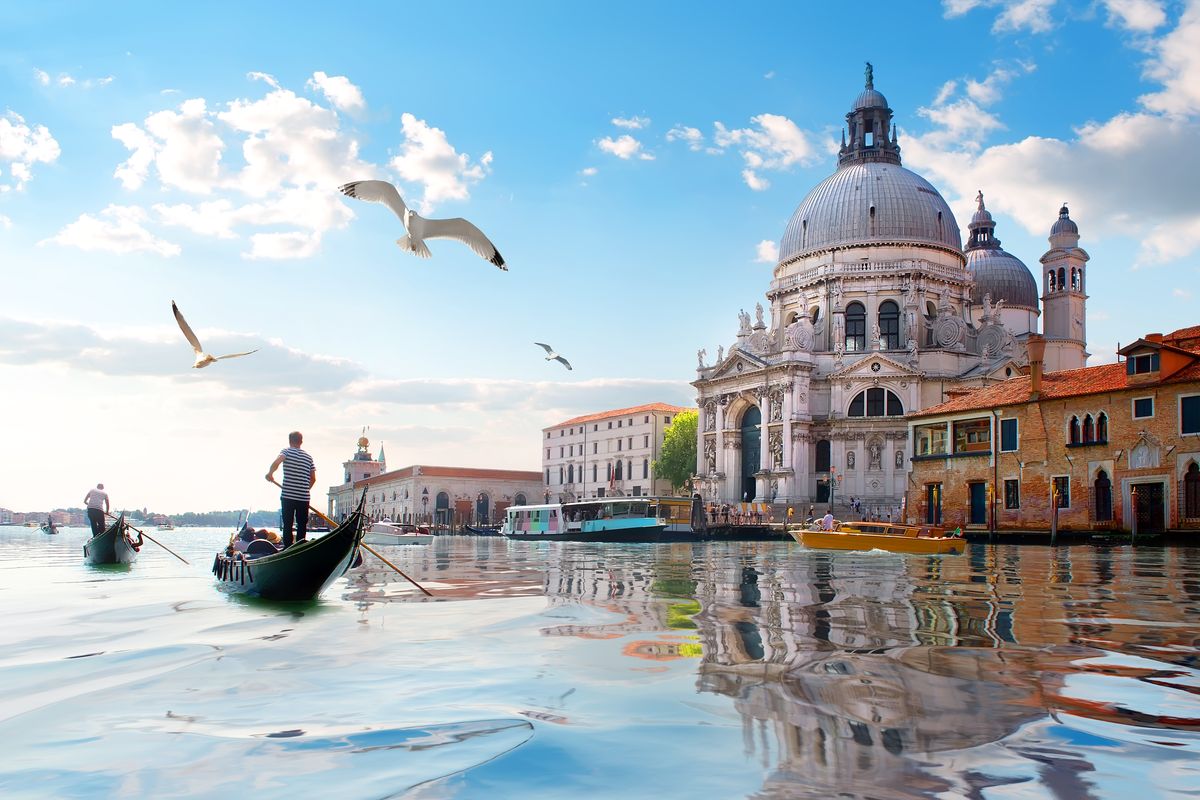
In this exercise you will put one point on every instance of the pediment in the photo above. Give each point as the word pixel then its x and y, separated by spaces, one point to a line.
pixel 876 365
pixel 737 363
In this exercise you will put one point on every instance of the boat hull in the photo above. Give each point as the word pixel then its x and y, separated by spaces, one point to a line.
pixel 110 547
pixel 301 572
pixel 645 533
pixel 855 540
pixel 384 538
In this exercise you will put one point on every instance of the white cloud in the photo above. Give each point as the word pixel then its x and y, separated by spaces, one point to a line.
pixel 183 146
pixel 767 252
pixel 5 222
pixel 283 245
pixel 769 75
pixel 22 146
pixel 1176 64
pixel 42 77
pixel 633 123
pixel 65 80
pixel 944 94
pixel 691 136
pixel 427 157
pixel 1015 15
pixel 987 91
pixel 588 171
pixel 624 147
pixel 1184 294
pixel 116 229
pixel 1140 16
pixel 343 94
pixel 264 77
pixel 775 144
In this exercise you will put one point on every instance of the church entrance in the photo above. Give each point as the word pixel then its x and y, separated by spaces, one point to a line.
pixel 751 451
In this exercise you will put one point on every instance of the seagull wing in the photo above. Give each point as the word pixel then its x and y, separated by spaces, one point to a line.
pixel 376 192
pixel 563 361
pixel 187 330
pixel 549 350
pixel 235 355
pixel 465 232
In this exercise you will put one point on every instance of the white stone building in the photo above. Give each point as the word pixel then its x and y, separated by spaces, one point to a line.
pixel 606 454
pixel 874 310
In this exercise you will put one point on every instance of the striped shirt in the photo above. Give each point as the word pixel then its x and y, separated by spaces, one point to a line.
pixel 297 473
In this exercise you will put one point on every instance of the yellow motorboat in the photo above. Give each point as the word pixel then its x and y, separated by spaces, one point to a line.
pixel 879 536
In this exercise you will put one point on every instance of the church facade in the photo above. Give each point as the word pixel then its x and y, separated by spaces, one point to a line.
pixel 875 310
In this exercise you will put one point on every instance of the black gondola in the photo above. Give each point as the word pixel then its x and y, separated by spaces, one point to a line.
pixel 113 546
pixel 301 572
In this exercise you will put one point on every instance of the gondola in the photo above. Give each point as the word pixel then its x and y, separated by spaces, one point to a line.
pixel 301 572
pixel 113 546
pixel 49 528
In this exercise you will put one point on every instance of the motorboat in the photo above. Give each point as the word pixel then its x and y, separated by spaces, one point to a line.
pixel 897 538
pixel 386 532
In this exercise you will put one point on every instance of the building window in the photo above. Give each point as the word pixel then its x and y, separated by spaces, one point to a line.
pixel 1089 429
pixel 610 474
pixel 646 440
pixel 620 471
pixel 972 436
pixel 560 475
pixel 1062 490
pixel 856 328
pixel 1102 427
pixel 547 477
pixel 1191 491
pixel 596 427
pixel 620 422
pixel 889 325
pixel 547 434
pixel 1008 436
pixel 630 443
pixel 619 445
pixel 1142 364
pixel 593 473
pixel 822 456
pixel 1102 495
pixel 570 473
pixel 645 468
pixel 1143 407
pixel 1012 493
pixel 610 425
pixel 931 440
pixel 666 420
pixel 1189 414
pixel 547 452
pixel 561 450
pixel 646 421
pixel 1073 431
pixel 876 403
pixel 594 446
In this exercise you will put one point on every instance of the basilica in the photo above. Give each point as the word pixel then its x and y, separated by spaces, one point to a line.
pixel 875 310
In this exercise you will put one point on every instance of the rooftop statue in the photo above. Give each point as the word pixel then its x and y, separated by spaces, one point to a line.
pixel 870 76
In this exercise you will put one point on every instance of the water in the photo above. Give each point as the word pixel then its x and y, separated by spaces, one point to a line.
pixel 740 670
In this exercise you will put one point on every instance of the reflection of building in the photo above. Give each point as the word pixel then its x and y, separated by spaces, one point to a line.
pixel 609 453
pixel 1089 439
pixel 421 493
pixel 875 310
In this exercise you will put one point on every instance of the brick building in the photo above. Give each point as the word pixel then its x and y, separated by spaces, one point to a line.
pixel 1104 443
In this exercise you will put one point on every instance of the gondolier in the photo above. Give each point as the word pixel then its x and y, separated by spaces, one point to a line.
pixel 299 476
pixel 96 501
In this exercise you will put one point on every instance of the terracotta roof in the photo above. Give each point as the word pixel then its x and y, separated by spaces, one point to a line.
pixel 1055 386
pixel 1184 337
pixel 661 408
pixel 454 472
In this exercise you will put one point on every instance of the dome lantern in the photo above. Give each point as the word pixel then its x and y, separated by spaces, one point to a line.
pixel 996 272
pixel 869 123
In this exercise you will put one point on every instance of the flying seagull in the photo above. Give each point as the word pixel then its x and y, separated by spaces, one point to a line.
pixel 419 229
pixel 203 359
pixel 553 356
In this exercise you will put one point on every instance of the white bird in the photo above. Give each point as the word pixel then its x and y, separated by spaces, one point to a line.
pixel 419 229
pixel 203 359
pixel 553 356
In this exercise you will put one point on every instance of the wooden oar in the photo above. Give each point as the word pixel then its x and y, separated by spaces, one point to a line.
pixel 369 549
pixel 156 541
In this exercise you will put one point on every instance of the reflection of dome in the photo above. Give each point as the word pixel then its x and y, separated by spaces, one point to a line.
pixel 871 202
pixel 996 272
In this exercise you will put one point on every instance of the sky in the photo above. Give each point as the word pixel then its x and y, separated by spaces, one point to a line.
pixel 635 163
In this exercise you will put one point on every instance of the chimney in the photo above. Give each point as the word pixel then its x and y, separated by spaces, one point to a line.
pixel 1036 346
pixel 1154 337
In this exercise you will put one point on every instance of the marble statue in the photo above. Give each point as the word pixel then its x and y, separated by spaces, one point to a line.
pixel 700 354
pixel 876 453
pixel 758 312
pixel 720 353
pixel 849 459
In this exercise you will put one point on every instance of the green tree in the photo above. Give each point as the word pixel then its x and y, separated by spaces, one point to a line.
pixel 678 461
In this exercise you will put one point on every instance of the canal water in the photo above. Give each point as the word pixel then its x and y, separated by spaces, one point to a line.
pixel 715 670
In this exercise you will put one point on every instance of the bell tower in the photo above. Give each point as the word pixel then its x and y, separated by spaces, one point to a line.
pixel 1064 300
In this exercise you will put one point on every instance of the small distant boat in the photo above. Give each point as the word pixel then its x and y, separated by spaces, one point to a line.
pixel 482 530
pixel 166 526
pixel 384 532
pixel 301 572
pixel 880 536
pixel 49 527
pixel 112 546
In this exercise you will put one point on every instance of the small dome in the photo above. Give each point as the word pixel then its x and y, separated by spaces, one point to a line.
pixel 1003 276
pixel 869 99
pixel 1064 224
pixel 982 217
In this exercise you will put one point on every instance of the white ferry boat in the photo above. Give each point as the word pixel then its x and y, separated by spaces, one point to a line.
pixel 608 519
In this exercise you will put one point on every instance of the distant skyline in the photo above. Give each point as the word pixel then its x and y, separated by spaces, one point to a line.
pixel 636 165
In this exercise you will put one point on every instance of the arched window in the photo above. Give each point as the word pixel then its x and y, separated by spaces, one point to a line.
pixel 1102 427
pixel 519 500
pixel 823 461
pixel 609 476
pixel 856 328
pixel 1073 434
pixel 889 326
pixel 1191 491
pixel 620 471
pixel 1102 492
pixel 570 473
pixel 1089 430
pixel 876 402
pixel 1062 279
pixel 1050 281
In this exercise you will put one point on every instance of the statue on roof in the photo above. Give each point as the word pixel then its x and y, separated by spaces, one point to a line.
pixel 758 312
pixel 979 199
pixel 870 76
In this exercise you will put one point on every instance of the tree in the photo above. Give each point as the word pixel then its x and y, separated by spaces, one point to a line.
pixel 678 461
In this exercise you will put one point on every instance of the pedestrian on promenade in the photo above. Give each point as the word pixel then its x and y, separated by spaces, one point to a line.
pixel 96 501
pixel 299 476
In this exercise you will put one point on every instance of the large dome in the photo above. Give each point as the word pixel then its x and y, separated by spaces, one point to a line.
pixel 870 203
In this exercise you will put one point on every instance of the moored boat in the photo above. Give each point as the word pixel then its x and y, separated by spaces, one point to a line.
pixel 384 532
pixel 879 536
pixel 300 572
pixel 113 545
pixel 601 520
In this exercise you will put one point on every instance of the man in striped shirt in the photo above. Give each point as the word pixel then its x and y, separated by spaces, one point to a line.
pixel 299 476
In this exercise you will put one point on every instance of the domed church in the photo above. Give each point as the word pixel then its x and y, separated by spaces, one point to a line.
pixel 875 309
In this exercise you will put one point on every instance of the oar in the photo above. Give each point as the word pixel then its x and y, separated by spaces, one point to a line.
pixel 369 549
pixel 156 541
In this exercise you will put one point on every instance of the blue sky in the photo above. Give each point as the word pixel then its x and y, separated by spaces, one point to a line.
pixel 633 162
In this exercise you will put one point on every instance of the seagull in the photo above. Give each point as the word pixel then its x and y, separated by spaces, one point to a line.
pixel 419 229
pixel 203 359
pixel 553 356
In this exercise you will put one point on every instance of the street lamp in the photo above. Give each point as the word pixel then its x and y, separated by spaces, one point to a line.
pixel 425 503
pixel 834 480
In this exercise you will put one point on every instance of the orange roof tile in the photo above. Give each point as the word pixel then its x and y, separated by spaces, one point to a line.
pixel 1055 386
pixel 454 472
pixel 620 412
pixel 1188 338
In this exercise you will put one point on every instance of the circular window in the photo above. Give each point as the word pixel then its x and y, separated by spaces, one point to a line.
pixel 875 367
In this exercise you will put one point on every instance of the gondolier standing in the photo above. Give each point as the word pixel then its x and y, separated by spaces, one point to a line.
pixel 96 501
pixel 299 476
